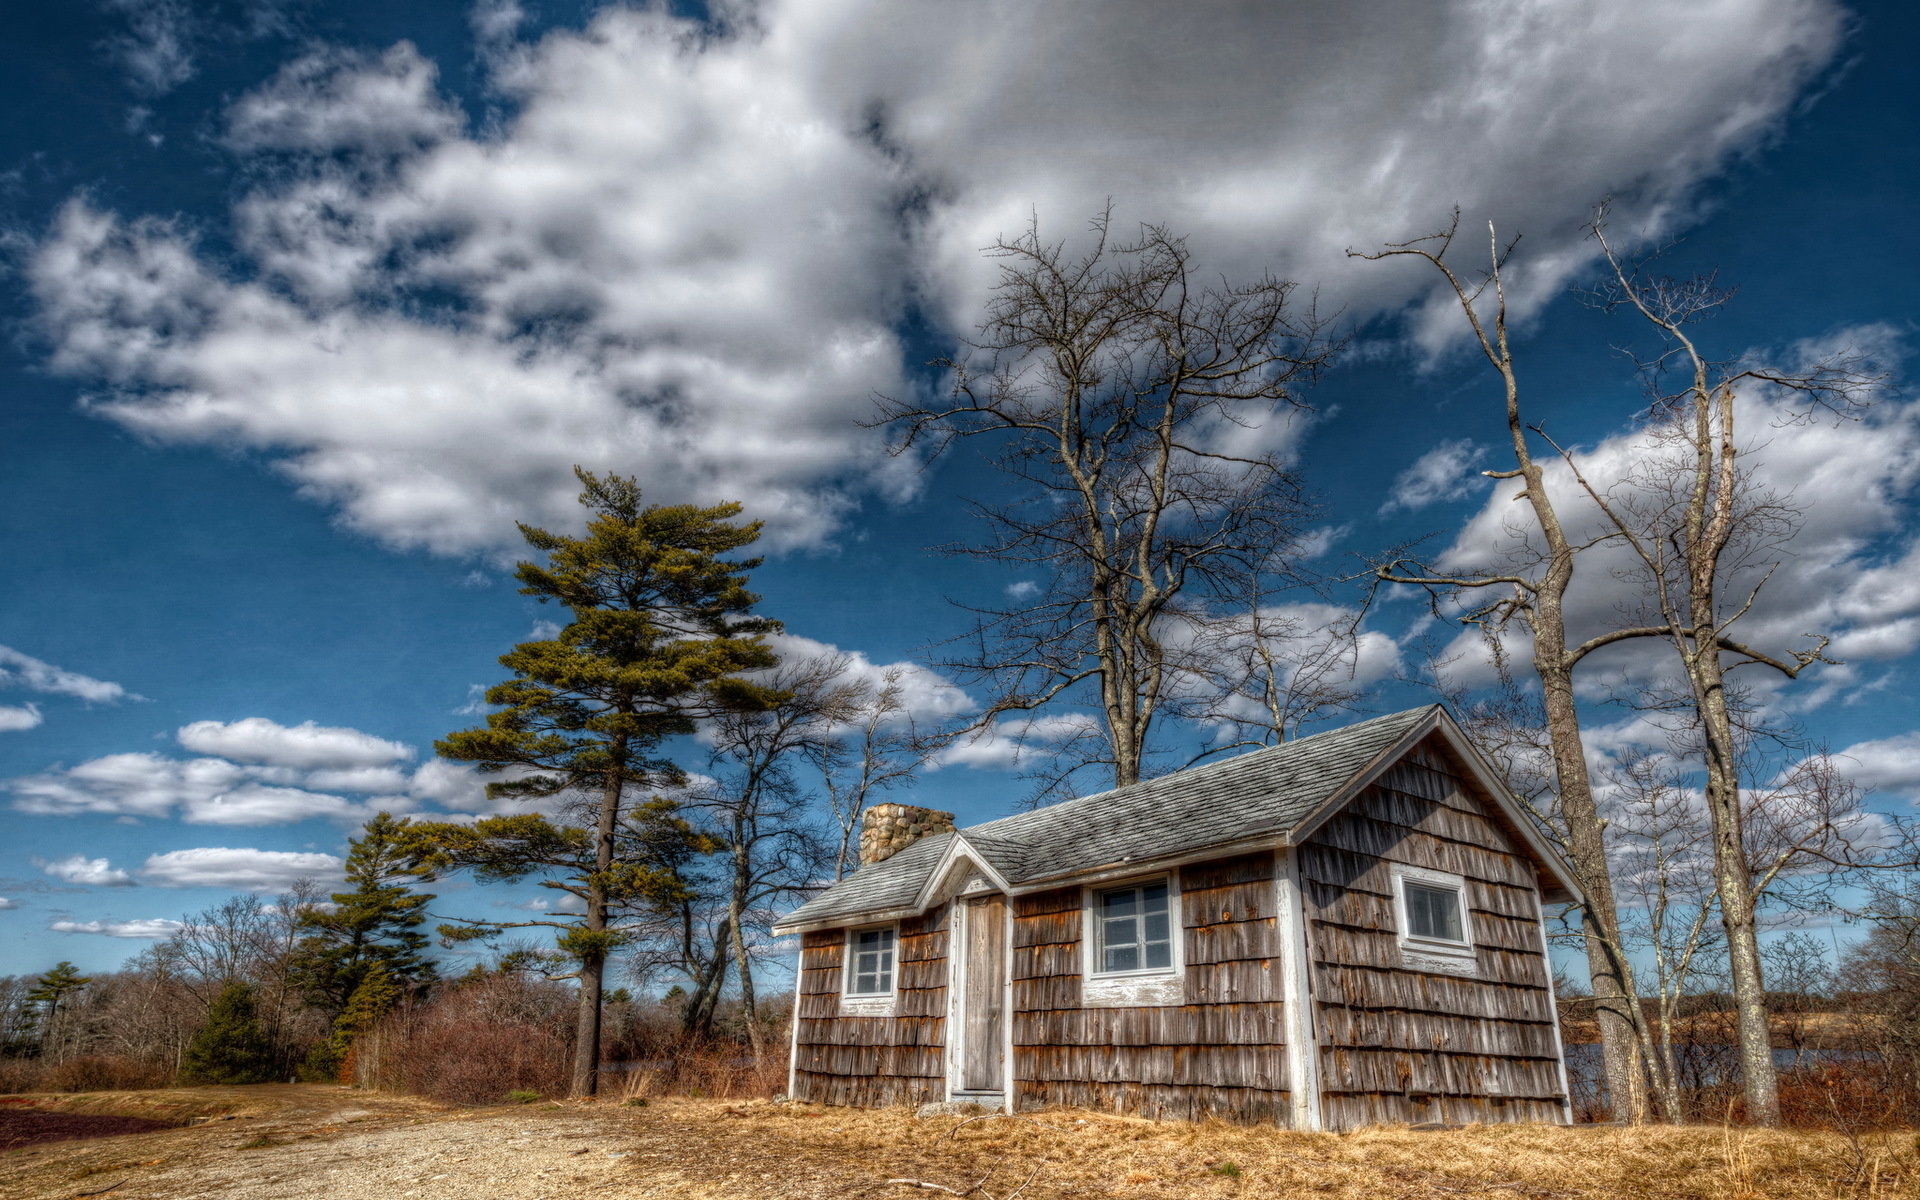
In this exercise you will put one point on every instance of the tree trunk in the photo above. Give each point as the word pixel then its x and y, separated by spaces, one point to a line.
pixel 593 959
pixel 1609 973
pixel 737 919
pixel 1734 880
pixel 697 1020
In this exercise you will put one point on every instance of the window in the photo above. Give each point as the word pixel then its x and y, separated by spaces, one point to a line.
pixel 870 962
pixel 1134 930
pixel 1432 912
pixel 1434 933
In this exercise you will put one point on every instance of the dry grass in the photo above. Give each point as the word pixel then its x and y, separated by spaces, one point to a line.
pixel 1082 1153
pixel 321 1143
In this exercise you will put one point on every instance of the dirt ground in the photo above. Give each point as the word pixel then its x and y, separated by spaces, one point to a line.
pixel 319 1143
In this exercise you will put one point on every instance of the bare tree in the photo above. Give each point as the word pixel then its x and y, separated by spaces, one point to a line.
pixel 1708 537
pixel 1261 675
pixel 877 749
pixel 1663 844
pixel 757 808
pixel 1137 410
pixel 1533 593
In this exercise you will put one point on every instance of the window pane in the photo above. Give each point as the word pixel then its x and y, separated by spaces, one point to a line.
pixel 872 962
pixel 1135 929
pixel 1433 912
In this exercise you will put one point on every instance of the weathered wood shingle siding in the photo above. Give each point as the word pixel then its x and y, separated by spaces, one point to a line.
pixel 874 1061
pixel 1407 1045
pixel 1221 1053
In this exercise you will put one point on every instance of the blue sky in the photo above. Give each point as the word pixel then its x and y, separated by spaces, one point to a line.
pixel 309 302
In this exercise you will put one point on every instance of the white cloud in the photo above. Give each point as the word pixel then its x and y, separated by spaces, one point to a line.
pixel 157 48
pixel 925 695
pixel 1008 741
pixel 686 256
pixel 305 746
pixel 271 774
pixel 1851 570
pixel 1890 764
pixel 144 927
pixel 14 718
pixel 1442 473
pixel 78 868
pixel 19 670
pixel 6 904
pixel 243 869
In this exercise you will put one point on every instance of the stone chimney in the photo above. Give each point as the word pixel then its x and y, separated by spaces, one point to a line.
pixel 887 829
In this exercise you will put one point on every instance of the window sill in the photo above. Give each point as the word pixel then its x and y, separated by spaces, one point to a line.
pixel 1138 989
pixel 1445 958
pixel 867 1006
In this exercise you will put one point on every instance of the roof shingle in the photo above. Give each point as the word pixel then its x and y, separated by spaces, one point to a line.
pixel 1266 792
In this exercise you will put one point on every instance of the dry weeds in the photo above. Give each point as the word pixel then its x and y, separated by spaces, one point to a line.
pixel 326 1143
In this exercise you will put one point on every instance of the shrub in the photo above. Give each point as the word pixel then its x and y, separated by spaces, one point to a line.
pixel 522 1096
pixel 104 1073
pixel 230 1047
pixel 479 1039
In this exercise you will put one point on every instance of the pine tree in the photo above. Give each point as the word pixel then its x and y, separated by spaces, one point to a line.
pixel 377 994
pixel 230 1047
pixel 375 924
pixel 49 990
pixel 661 635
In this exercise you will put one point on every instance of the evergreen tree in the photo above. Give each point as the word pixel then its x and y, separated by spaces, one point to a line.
pixel 231 1047
pixel 376 995
pixel 49 990
pixel 375 924
pixel 661 633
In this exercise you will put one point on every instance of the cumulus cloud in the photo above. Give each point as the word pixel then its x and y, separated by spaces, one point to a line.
pixel 305 746
pixel 1006 742
pixel 1890 764
pixel 144 927
pixel 1851 567
pixel 78 868
pixel 19 670
pixel 201 791
pixel 1442 473
pixel 926 696
pixel 6 904
pixel 14 718
pixel 268 774
pixel 687 253
pixel 241 869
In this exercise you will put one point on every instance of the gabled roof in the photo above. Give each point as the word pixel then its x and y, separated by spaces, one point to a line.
pixel 1270 793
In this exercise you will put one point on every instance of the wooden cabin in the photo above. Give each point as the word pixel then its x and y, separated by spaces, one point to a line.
pixel 1340 931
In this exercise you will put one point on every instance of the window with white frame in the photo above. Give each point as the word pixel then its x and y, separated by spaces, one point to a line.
pixel 1432 915
pixel 870 962
pixel 1133 929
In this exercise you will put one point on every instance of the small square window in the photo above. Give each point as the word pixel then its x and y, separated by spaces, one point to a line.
pixel 1433 912
pixel 1134 929
pixel 870 966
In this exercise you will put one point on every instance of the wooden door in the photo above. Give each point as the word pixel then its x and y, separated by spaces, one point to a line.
pixel 982 1013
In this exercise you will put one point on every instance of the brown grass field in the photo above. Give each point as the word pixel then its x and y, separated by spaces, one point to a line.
pixel 308 1141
